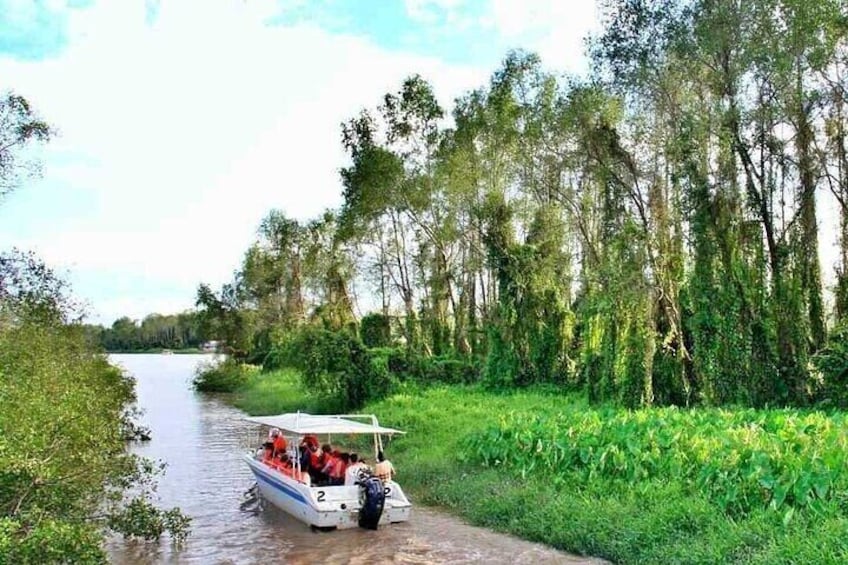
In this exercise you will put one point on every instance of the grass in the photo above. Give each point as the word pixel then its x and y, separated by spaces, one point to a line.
pixel 657 517
pixel 153 350
pixel 276 392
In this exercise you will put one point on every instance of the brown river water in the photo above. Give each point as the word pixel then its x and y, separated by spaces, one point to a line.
pixel 201 439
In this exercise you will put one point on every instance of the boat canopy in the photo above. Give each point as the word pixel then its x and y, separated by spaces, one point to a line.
pixel 301 423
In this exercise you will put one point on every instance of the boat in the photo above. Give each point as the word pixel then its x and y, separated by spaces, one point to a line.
pixel 368 504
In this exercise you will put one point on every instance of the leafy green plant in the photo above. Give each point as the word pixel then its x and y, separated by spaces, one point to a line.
pixel 832 364
pixel 64 471
pixel 337 365
pixel 742 460
pixel 222 376
pixel 375 330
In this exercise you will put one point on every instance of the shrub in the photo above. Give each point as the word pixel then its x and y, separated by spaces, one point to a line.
pixel 225 376
pixel 397 360
pixel 375 330
pixel 275 359
pixel 445 369
pixel 337 365
pixel 832 364
pixel 64 471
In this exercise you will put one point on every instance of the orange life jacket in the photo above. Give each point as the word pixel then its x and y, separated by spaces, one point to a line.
pixel 280 444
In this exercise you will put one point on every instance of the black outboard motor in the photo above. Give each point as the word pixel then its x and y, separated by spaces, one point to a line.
pixel 372 498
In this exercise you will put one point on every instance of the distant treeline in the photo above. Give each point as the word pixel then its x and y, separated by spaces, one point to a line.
pixel 156 331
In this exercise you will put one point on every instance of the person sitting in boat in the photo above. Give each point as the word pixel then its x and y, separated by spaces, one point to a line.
pixel 328 461
pixel 304 456
pixel 384 470
pixel 352 472
pixel 280 444
pixel 268 451
pixel 325 459
pixel 311 461
pixel 336 469
pixel 282 462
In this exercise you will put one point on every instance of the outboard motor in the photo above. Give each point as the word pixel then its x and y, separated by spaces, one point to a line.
pixel 372 498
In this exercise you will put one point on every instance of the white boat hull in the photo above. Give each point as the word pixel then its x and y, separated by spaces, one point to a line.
pixel 324 507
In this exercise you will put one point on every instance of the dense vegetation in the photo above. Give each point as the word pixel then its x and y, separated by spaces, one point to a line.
pixel 65 413
pixel 641 244
pixel 647 235
pixel 655 485
pixel 618 246
pixel 65 474
pixel 155 332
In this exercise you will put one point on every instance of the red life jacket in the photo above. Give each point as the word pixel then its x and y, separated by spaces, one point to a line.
pixel 339 468
pixel 280 444
pixel 315 460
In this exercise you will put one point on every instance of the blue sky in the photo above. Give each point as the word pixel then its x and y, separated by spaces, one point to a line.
pixel 181 123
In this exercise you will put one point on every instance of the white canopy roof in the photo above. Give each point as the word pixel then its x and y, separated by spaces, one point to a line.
pixel 302 423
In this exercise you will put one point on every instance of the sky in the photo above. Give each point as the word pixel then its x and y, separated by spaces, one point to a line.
pixel 181 123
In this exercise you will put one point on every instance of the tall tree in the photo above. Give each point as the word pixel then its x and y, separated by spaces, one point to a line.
pixel 20 127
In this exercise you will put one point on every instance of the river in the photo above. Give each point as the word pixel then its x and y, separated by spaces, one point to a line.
pixel 200 438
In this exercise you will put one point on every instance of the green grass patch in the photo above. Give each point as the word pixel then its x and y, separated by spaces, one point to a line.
pixel 653 487
pixel 277 392
pixel 623 514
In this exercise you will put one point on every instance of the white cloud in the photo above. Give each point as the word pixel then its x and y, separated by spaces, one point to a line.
pixel 432 11
pixel 182 135
pixel 555 29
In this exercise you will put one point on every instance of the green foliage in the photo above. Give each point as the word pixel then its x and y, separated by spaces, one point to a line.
pixel 447 370
pixel 337 365
pixel 742 461
pixel 531 330
pixel 156 332
pixel 338 371
pixel 222 317
pixel 404 365
pixel 63 465
pixel 139 518
pixel 66 413
pixel 832 364
pixel 279 391
pixel 647 234
pixel 50 541
pixel 222 376
pixel 375 330
pixel 603 514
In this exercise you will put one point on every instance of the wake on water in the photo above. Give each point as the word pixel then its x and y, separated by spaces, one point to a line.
pixel 252 502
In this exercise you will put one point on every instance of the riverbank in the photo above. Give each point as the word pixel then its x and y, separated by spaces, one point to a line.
pixel 449 459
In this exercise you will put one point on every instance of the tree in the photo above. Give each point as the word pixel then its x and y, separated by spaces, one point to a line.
pixel 65 473
pixel 20 127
